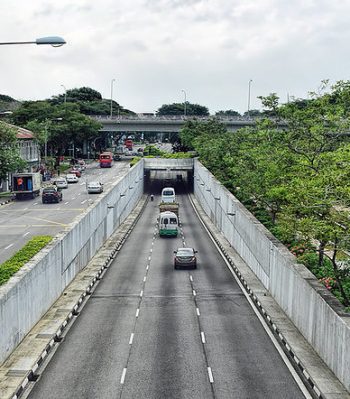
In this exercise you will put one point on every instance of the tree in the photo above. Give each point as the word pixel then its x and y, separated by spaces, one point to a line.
pixel 229 112
pixel 10 159
pixel 179 109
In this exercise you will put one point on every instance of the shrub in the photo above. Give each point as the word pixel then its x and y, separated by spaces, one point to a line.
pixel 12 265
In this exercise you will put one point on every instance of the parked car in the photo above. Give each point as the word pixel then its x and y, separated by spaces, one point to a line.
pixel 76 172
pixel 72 178
pixel 94 187
pixel 185 257
pixel 51 194
pixel 61 182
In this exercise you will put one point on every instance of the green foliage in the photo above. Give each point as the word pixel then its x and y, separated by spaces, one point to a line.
pixel 10 159
pixel 179 109
pixel 134 161
pixel 229 112
pixel 24 255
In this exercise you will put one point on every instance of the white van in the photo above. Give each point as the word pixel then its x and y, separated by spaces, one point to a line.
pixel 168 194
pixel 168 224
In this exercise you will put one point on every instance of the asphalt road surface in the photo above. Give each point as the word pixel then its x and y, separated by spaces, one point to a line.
pixel 149 331
pixel 21 220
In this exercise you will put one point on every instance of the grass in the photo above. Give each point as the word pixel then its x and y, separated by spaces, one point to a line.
pixel 20 258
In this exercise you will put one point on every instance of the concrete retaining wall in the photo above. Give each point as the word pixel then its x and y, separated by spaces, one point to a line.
pixel 30 293
pixel 318 316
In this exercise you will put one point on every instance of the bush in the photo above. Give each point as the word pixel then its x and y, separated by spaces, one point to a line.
pixel 12 265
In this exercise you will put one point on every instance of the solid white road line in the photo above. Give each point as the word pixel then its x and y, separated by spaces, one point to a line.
pixel 211 379
pixel 197 310
pixel 131 338
pixel 123 376
pixel 137 312
pixel 203 337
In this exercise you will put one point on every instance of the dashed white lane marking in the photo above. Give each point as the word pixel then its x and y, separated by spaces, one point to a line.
pixel 79 193
pixel 203 337
pixel 66 203
pixel 131 338
pixel 123 376
pixel 144 279
pixel 194 292
pixel 152 243
pixel 83 202
pixel 137 312
pixel 184 243
pixel 35 203
pixel 147 267
pixel 25 234
pixel 151 250
pixel 191 278
pixel 141 293
pixel 25 209
pixel 73 198
pixel 197 310
pixel 81 185
pixel 9 246
pixel 211 379
pixel 149 258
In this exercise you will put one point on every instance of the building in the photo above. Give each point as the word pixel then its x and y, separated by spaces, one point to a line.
pixel 29 151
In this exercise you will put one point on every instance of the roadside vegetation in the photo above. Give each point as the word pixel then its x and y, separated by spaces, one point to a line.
pixel 293 172
pixel 24 255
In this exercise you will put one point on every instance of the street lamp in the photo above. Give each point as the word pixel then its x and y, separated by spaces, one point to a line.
pixel 250 82
pixel 65 95
pixel 54 41
pixel 112 81
pixel 185 102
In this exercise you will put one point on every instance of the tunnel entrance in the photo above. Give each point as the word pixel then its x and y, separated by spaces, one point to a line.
pixel 156 180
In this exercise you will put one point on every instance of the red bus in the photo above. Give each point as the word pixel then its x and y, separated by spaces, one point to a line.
pixel 106 160
pixel 128 144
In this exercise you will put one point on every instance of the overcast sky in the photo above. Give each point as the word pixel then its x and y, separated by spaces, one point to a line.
pixel 157 48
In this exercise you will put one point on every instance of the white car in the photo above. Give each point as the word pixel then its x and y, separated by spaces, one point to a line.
pixel 71 178
pixel 94 187
pixel 61 182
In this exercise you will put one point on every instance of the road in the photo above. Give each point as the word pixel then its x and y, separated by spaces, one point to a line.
pixel 21 220
pixel 149 331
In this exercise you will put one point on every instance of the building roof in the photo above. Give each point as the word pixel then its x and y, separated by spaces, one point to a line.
pixel 23 133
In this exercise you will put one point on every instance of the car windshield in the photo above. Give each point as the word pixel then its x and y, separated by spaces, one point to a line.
pixel 168 192
pixel 185 252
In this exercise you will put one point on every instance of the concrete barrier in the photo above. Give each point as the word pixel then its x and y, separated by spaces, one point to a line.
pixel 30 293
pixel 313 310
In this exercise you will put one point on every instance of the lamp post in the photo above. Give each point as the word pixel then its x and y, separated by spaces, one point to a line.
pixel 250 82
pixel 54 41
pixel 185 104
pixel 65 95
pixel 112 81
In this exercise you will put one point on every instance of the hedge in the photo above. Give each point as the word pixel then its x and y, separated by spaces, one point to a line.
pixel 24 255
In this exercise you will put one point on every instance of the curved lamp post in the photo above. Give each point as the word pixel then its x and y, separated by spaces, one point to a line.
pixel 249 84
pixel 54 41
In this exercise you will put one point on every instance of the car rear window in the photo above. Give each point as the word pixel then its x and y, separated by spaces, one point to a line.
pixel 185 252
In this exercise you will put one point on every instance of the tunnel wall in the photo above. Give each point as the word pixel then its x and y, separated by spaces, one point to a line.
pixel 313 310
pixel 30 293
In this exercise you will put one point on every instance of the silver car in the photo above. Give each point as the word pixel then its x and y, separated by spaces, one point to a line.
pixel 94 187
pixel 61 182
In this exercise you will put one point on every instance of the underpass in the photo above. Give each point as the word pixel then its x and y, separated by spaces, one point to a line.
pixel 150 330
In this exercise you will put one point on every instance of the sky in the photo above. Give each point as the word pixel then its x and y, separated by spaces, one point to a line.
pixel 159 51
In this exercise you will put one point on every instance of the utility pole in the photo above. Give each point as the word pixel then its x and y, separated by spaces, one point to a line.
pixel 250 82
